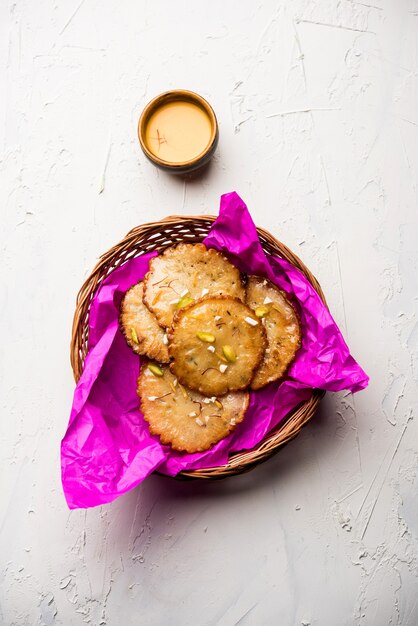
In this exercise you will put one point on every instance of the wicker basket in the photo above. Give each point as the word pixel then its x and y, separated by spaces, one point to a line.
pixel 157 236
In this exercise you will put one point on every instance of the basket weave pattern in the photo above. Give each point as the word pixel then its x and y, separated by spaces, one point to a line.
pixel 158 236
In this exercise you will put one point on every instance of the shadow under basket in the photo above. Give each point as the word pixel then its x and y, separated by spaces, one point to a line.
pixel 158 236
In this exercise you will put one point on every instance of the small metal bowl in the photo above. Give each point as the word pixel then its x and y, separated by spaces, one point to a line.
pixel 183 167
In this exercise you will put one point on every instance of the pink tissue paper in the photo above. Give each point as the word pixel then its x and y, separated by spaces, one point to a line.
pixel 108 449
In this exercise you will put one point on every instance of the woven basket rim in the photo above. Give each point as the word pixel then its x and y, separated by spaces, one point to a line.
pixel 146 237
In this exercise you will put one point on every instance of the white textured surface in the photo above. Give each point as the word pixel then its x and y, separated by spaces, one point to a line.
pixel 317 104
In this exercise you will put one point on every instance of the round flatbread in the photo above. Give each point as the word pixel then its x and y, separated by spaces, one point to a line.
pixel 282 327
pixel 184 273
pixel 142 331
pixel 216 345
pixel 185 419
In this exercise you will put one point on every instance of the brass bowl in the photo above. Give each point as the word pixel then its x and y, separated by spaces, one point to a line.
pixel 183 167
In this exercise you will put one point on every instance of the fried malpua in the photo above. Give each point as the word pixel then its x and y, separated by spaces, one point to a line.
pixel 216 344
pixel 184 273
pixel 281 322
pixel 140 327
pixel 185 419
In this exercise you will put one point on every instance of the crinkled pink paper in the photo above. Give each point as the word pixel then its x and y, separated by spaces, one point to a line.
pixel 108 449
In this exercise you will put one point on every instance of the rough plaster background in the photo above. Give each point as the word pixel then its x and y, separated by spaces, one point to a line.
pixel 317 105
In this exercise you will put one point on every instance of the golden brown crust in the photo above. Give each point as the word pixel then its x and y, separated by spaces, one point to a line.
pixel 185 419
pixel 188 270
pixel 204 365
pixel 140 328
pixel 282 326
